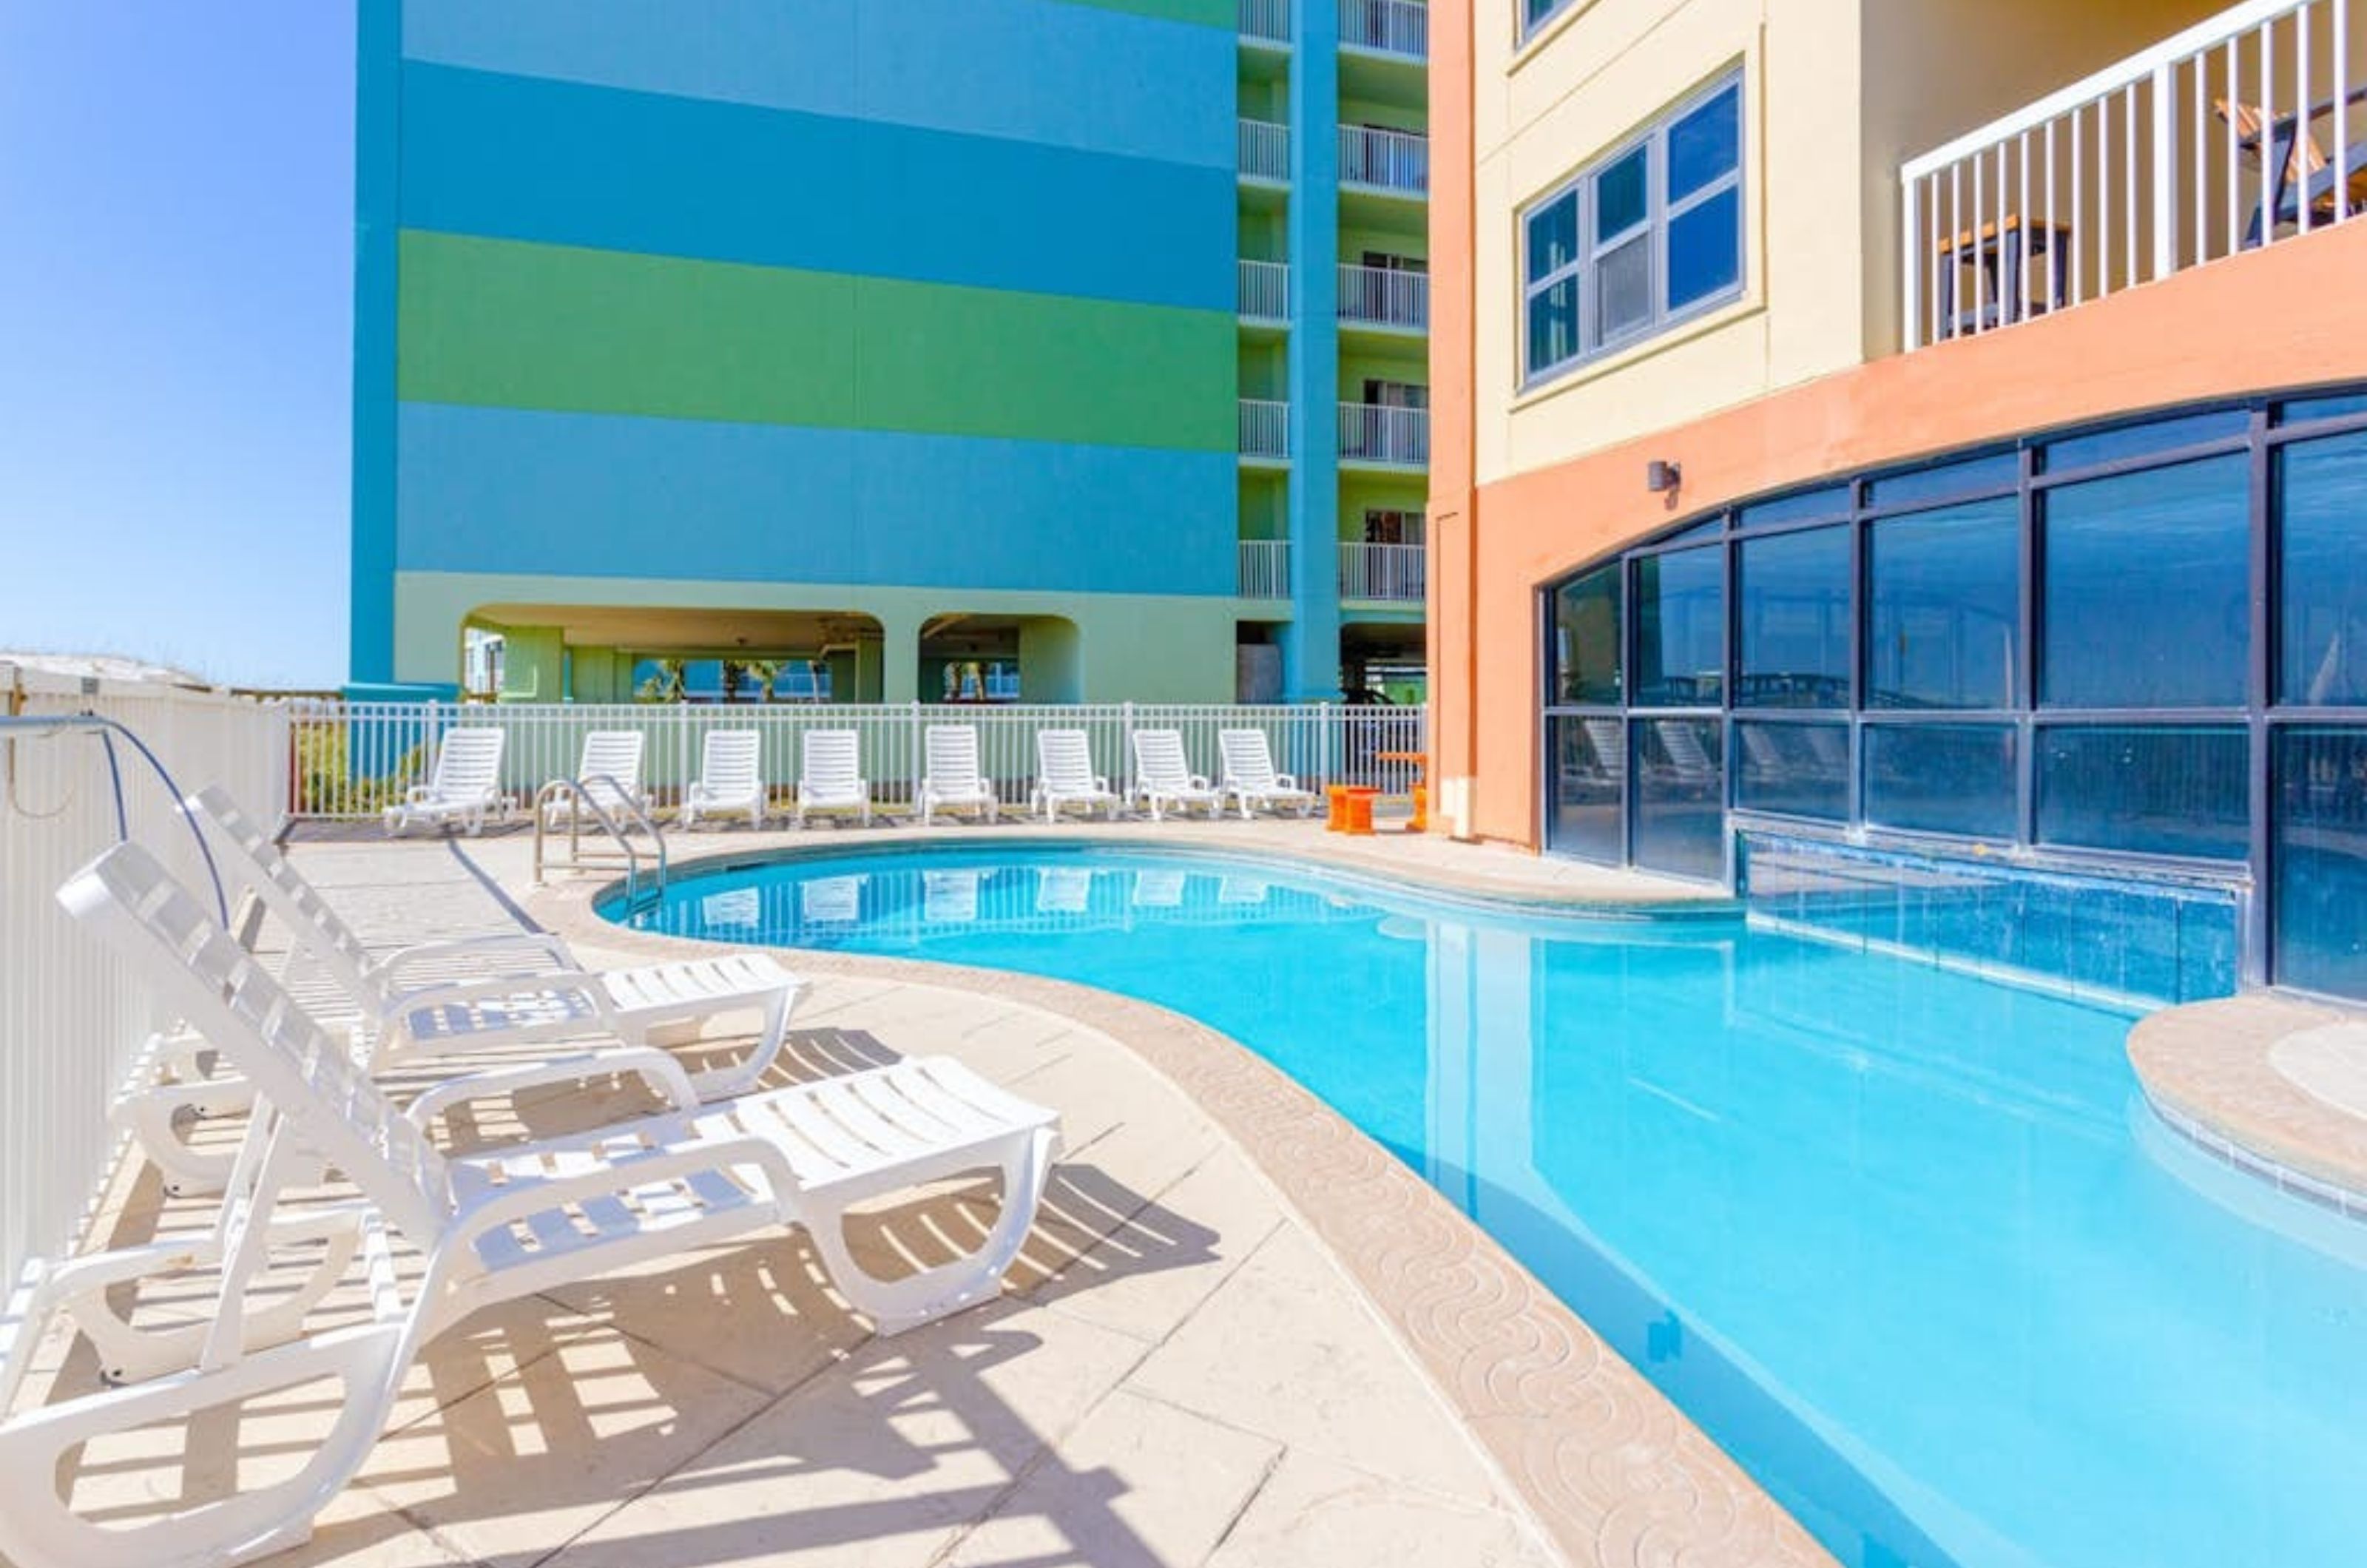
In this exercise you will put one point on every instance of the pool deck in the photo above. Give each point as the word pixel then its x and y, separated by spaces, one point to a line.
pixel 1240 1334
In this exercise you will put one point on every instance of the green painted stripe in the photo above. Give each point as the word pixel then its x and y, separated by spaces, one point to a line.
pixel 499 323
pixel 1225 14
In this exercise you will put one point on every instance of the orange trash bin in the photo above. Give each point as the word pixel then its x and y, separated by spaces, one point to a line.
pixel 1335 808
pixel 1360 807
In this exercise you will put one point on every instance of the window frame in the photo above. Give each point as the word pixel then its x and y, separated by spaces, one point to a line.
pixel 1530 27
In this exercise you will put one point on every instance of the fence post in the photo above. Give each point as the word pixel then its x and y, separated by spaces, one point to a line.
pixel 919 763
pixel 2165 164
pixel 1125 748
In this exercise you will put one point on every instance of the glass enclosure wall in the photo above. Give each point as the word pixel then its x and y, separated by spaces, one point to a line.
pixel 2141 646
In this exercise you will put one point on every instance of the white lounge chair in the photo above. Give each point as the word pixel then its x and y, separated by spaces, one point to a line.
pixel 609 774
pixel 1250 777
pixel 1163 776
pixel 490 1229
pixel 1065 776
pixel 952 782
pixel 831 777
pixel 730 780
pixel 466 785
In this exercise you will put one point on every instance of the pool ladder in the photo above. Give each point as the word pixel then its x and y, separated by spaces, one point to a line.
pixel 577 792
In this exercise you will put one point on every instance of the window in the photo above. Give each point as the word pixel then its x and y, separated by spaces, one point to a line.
pixel 1794 624
pixel 1650 233
pixel 1941 778
pixel 2321 497
pixel 1680 629
pixel 1799 770
pixel 2321 859
pixel 1586 640
pixel 1535 12
pixel 1679 796
pixel 1590 767
pixel 1392 526
pixel 1944 619
pixel 2155 791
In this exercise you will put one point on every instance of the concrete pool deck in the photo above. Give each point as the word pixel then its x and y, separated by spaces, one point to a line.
pixel 1240 1334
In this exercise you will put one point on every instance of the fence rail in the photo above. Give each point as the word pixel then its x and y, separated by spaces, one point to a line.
pixel 1265 150
pixel 1382 159
pixel 1265 428
pixel 1267 19
pixel 1370 432
pixel 1395 573
pixel 1266 289
pixel 2244 130
pixel 1384 297
pixel 1266 569
pixel 1389 27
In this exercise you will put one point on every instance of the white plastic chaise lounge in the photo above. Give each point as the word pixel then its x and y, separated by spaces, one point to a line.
pixel 830 775
pixel 492 1228
pixel 465 786
pixel 952 782
pixel 608 777
pixel 1164 778
pixel 730 780
pixel 1250 777
pixel 1065 776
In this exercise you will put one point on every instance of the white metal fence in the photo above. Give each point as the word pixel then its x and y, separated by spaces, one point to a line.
pixel 1370 432
pixel 1384 297
pixel 1268 19
pixel 1266 289
pixel 353 757
pixel 1266 569
pixel 72 1017
pixel 1387 160
pixel 1391 26
pixel 1265 150
pixel 1265 428
pixel 2241 131
pixel 1392 572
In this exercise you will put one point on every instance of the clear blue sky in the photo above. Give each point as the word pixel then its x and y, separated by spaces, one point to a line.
pixel 176 332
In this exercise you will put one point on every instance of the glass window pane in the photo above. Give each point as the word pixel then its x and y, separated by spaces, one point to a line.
pixel 2136 440
pixel 1801 769
pixel 2151 791
pixel 1705 145
pixel 1589 758
pixel 2304 409
pixel 2321 860
pixel 1973 476
pixel 1942 625
pixel 1833 501
pixel 1622 197
pixel 1680 629
pixel 1941 778
pixel 1679 796
pixel 1553 236
pixel 1795 627
pixel 2148 595
pixel 2322 505
pixel 1623 290
pixel 1553 325
pixel 1705 249
pixel 1538 10
pixel 1586 640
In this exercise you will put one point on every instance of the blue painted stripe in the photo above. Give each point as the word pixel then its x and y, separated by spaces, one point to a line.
pixel 377 221
pixel 596 495
pixel 512 157
pixel 1041 71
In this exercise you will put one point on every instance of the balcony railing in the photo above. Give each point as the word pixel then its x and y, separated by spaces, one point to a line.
pixel 1371 433
pixel 1391 26
pixel 1266 290
pixel 2244 130
pixel 1384 297
pixel 1384 159
pixel 1265 428
pixel 1267 19
pixel 1391 574
pixel 1265 150
pixel 1266 569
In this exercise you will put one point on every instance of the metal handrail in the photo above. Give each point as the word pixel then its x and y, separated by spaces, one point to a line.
pixel 578 793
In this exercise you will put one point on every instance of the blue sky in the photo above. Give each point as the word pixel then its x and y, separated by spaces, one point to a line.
pixel 176 332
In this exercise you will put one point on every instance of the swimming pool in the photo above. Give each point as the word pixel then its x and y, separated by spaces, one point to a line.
pixel 1905 1241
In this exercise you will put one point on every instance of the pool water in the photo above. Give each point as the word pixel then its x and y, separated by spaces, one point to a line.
pixel 1905 1241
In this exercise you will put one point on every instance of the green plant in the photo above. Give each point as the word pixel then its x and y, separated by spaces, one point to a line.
pixel 665 684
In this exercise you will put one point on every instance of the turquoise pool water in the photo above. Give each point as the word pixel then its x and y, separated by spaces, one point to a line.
pixel 1905 1241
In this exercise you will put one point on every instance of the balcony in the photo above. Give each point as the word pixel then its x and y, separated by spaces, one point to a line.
pixel 1266 569
pixel 1389 574
pixel 1385 296
pixel 1266 290
pixel 1265 429
pixel 2242 131
pixel 1266 151
pixel 1397 438
pixel 1372 158
pixel 1398 27
pixel 1268 21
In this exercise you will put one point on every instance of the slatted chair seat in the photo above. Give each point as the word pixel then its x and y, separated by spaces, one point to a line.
pixel 730 780
pixel 608 776
pixel 831 778
pixel 952 782
pixel 1250 777
pixel 1065 776
pixel 465 786
pixel 1163 776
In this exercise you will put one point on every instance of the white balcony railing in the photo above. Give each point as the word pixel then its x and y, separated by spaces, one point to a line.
pixel 1266 569
pixel 1384 159
pixel 1266 290
pixel 1391 26
pixel 2243 130
pixel 1391 574
pixel 1265 428
pixel 1384 297
pixel 1265 150
pixel 1267 19
pixel 1371 433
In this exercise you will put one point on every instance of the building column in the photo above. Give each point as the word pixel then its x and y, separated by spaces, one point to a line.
pixel 1310 642
pixel 899 658
pixel 534 664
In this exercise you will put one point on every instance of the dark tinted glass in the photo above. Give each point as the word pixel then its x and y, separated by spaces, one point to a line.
pixel 1809 504
pixel 1801 769
pixel 1538 10
pixel 2322 502
pixel 1973 476
pixel 1705 145
pixel 1705 249
pixel 1707 530
pixel 1679 797
pixel 1586 640
pixel 1795 591
pixel 1942 623
pixel 2148 596
pixel 1588 758
pixel 1553 325
pixel 2304 409
pixel 2136 440
pixel 1622 196
pixel 1553 236
pixel 2321 860
pixel 1680 614
pixel 1941 778
pixel 2151 791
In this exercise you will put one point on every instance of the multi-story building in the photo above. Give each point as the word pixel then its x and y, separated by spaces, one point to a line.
pixel 1930 429
pixel 1069 348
